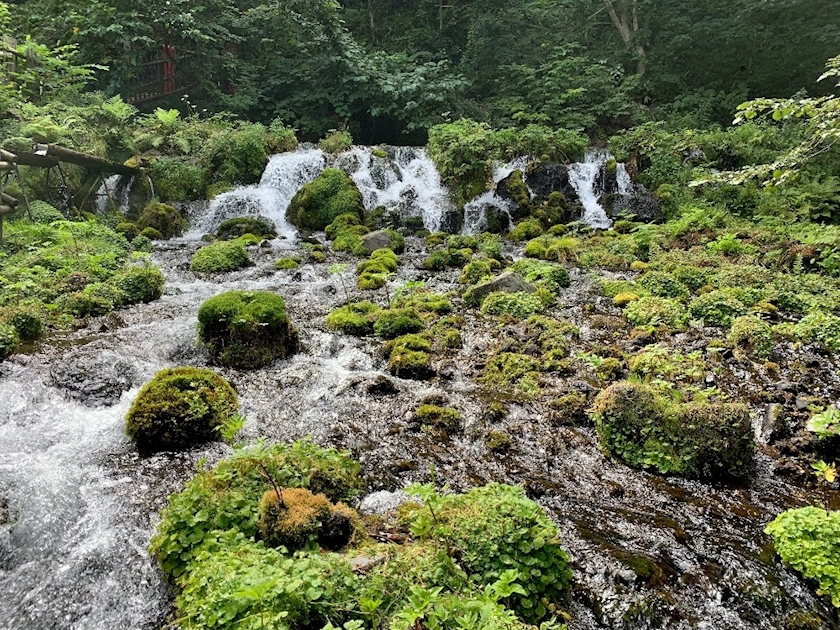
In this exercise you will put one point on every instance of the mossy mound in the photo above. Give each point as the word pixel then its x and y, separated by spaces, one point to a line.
pixel 140 284
pixel 219 257
pixel 394 322
pixel 28 321
pixel 320 202
pixel 151 233
pixel 291 262
pixel 246 329
pixel 696 439
pixel 752 334
pixel 180 407
pixel 165 219
pixel 295 518
pixel 354 319
pixel 717 308
pixel 654 311
pixel 176 179
pixel 261 227
pixel 445 419
pixel 518 305
pixel 409 356
pixel 127 229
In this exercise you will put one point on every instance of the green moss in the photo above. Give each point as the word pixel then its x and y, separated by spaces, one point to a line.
pixel 180 407
pixel 319 203
pixel 295 518
pixel 512 369
pixel 370 281
pixel 519 305
pixel 497 441
pixel 609 369
pixel 238 154
pixel 409 356
pixel 287 263
pixel 717 308
pixel 820 327
pixel 570 407
pixel 317 257
pixel 27 320
pixel 215 189
pixel 246 329
pixel 336 141
pixel 753 334
pixel 165 219
pixel 436 238
pixel 437 260
pixel 257 226
pixel 662 284
pixel 424 302
pixel 178 179
pixel 654 311
pixel 526 230
pixel 341 224
pixel 127 229
pixel 140 284
pixel 353 319
pixel 476 271
pixel 219 257
pixel 443 418
pixel 9 340
pixel 143 244
pixel 151 233
pixel 543 274
pixel 394 322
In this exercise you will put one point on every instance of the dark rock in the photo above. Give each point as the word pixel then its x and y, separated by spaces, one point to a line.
pixel 544 178
pixel 382 386
pixel 638 206
pixel 94 376
pixel 377 240
pixel 508 282
pixel 513 190
pixel 802 402
pixel 451 221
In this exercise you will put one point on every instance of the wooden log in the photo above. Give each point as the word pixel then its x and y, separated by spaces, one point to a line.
pixel 7 156
pixel 6 210
pixel 7 166
pixel 88 161
pixel 8 200
pixel 33 159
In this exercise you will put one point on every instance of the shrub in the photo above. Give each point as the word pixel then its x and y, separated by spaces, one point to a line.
pixel 44 213
pixel 219 257
pixel 487 546
pixel 165 219
pixel 246 329
pixel 663 284
pixel 180 407
pixel 127 229
pixel 353 319
pixel 808 539
pixel 519 305
pixel 177 179
pixel 140 284
pixel 753 334
pixel 696 439
pixel 336 141
pixel 26 320
pixel 239 154
pixel 228 496
pixel 654 311
pixel 142 243
pixel 820 327
pixel 320 202
pixel 258 226
pixel 717 308
pixel 9 340
pixel 476 271
pixel 395 322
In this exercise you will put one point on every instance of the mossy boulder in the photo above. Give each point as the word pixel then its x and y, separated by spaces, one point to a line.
pixel 394 322
pixel 445 419
pixel 140 284
pixel 220 256
pixel 383 239
pixel 513 189
pixel 151 233
pixel 163 218
pixel 178 179
pixel 180 407
pixel 752 334
pixel 409 356
pixel 354 319
pixel 258 226
pixel 246 329
pixel 320 202
pixel 295 518
pixel 127 229
pixel 518 305
pixel 508 282
pixel 696 439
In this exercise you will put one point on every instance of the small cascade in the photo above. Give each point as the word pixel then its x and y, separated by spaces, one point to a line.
pixel 282 178
pixel 112 187
pixel 475 211
pixel 583 176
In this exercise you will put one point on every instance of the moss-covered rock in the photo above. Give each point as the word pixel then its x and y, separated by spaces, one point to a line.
pixel 445 419
pixel 518 305
pixel 663 284
pixel 246 329
pixel 163 218
pixel 27 320
pixel 291 262
pixel 354 319
pixel 409 356
pixel 654 311
pixel 140 284
pixel 127 229
pixel 258 226
pixel 395 322
pixel 320 202
pixel 526 230
pixel 717 308
pixel 178 179
pixel 151 233
pixel 219 257
pixel 180 407
pixel 752 334
pixel 549 275
pixel 295 518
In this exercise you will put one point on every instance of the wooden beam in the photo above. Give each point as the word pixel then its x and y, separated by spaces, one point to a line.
pixel 33 159
pixel 82 159
pixel 8 200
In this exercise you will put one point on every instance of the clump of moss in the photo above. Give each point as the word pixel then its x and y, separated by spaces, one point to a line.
pixel 437 261
pixel 663 284
pixel 526 230
pixel 519 305
pixel 409 356
pixel 9 340
pixel 513 369
pixel 320 202
pixel 354 319
pixel 336 141
pixel 395 322
pixel 295 518
pixel 753 334
pixel 219 257
pixel 445 419
pixel 569 407
pixel 820 327
pixel 143 244
pixel 623 299
pixel 127 229
pixel 424 301
pixel 180 407
pixel 543 274
pixel 497 441
pixel 654 311
pixel 717 308
pixel 140 284
pixel 694 439
pixel 478 270
pixel 151 233
pixel 291 262
pixel 258 226
pixel 27 320
pixel 609 369
pixel 165 219
pixel 246 329
pixel 176 179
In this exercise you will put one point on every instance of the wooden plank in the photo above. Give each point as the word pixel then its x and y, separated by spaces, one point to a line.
pixel 6 210
pixel 82 159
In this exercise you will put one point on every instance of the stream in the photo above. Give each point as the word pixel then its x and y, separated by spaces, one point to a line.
pixel 78 504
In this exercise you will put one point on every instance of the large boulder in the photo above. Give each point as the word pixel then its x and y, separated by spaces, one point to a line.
pixel 637 206
pixel 246 329
pixel 382 239
pixel 544 178
pixel 508 282
pixel 513 189
pixel 93 375
pixel 257 225
pixel 319 202
pixel 180 407
pixel 163 218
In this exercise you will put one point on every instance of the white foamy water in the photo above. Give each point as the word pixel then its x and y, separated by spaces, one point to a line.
pixel 583 176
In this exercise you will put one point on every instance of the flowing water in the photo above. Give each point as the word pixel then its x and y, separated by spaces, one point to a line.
pixel 78 504
pixel 584 177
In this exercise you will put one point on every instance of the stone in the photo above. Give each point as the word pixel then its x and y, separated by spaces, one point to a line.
pixel 377 240
pixel 637 206
pixel 508 282
pixel 96 377
pixel 544 178
pixel 513 190
pixel 362 564
pixel 382 502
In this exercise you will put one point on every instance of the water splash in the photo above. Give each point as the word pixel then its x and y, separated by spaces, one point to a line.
pixel 583 176
pixel 475 211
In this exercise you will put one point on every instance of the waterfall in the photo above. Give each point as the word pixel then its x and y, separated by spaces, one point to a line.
pixel 475 211
pixel 583 176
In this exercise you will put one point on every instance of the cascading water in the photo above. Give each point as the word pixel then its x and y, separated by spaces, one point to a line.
pixel 583 176
pixel 475 211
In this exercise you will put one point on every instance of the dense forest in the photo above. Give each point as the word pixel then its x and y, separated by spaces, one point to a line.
pixel 420 315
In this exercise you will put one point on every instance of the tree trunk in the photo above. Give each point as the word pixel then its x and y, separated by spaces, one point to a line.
pixel 626 22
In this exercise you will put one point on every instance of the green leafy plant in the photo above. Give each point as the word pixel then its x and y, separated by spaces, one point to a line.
pixel 826 423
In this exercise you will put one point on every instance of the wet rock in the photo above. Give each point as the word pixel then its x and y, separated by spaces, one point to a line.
pixel 765 424
pixel 802 402
pixel 638 206
pixel 544 178
pixel 508 282
pixel 451 221
pixel 94 376
pixel 786 386
pixel 513 190
pixel 382 502
pixel 381 386
pixel 362 564
pixel 377 240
